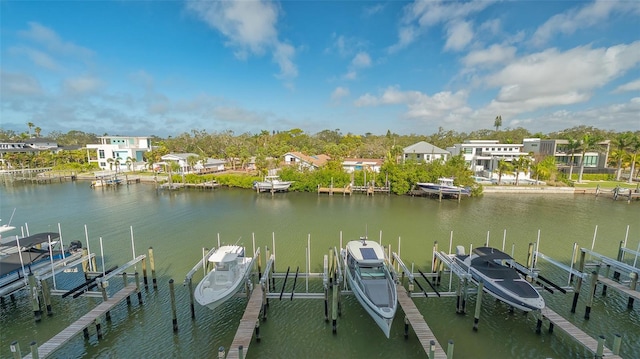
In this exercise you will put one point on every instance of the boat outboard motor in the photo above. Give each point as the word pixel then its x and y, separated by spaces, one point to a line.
pixel 460 250
pixel 75 245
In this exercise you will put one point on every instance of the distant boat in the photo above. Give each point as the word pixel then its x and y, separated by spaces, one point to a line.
pixel 444 186
pixel 7 227
pixel 230 270
pixel 272 183
pixel 106 182
pixel 500 278
pixel 371 281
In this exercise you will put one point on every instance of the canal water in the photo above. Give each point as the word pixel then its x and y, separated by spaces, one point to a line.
pixel 178 224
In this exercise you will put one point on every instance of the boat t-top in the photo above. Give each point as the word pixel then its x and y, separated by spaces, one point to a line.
pixel 371 281
pixel 500 278
pixel 229 270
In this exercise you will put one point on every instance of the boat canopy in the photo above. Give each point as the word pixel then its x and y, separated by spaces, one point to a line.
pixel 30 241
pixel 226 254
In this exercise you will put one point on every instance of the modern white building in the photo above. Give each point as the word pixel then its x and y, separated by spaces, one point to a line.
pixel 424 152
pixel 482 156
pixel 120 149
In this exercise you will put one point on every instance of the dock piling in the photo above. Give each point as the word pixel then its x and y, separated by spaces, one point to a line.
pixel 476 317
pixel 153 268
pixel 35 299
pixel 46 294
pixel 450 349
pixel 592 290
pixel 34 350
pixel 15 350
pixel 632 284
pixel 173 306
pixel 617 340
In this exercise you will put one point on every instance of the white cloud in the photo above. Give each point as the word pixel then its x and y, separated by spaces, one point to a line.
pixel 629 86
pixel 495 54
pixel 39 58
pixel 586 16
pixel 16 85
pixel 419 105
pixel 459 35
pixel 339 93
pixel 52 41
pixel 82 85
pixel 362 59
pixel 552 77
pixel 250 27
pixel 420 15
pixel 372 10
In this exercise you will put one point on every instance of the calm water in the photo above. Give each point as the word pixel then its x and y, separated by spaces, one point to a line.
pixel 179 224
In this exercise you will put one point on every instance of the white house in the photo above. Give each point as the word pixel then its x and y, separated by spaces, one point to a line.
pixel 351 165
pixel 120 149
pixel 424 152
pixel 482 156
pixel 210 165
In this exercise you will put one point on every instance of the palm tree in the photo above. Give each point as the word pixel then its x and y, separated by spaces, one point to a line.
pixel 192 161
pixel 588 142
pixel 572 146
pixel 110 162
pixel 521 164
pixel 498 122
pixel 634 147
pixel 37 130
pixel 622 142
pixel 30 125
pixel 504 168
pixel 129 162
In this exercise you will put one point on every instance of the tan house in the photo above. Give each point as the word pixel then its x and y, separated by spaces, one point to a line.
pixel 303 161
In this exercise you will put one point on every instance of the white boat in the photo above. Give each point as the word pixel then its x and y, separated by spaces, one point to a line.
pixel 497 270
pixel 106 182
pixel 445 186
pixel 371 281
pixel 229 270
pixel 272 183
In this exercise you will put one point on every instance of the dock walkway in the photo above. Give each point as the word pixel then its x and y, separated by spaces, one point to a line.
pixel 247 324
pixel 420 327
pixel 576 333
pixel 624 289
pixel 76 327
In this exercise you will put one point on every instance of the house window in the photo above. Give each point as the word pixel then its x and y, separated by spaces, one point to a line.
pixel 100 153
pixel 467 150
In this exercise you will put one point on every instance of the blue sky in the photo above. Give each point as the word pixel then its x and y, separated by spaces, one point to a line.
pixel 168 67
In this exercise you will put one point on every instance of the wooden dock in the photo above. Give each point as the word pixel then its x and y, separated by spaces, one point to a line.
pixel 244 334
pixel 79 325
pixel 419 325
pixel 576 333
pixel 331 190
pixel 622 288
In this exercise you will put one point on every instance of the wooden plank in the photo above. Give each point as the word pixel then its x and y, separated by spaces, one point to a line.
pixel 244 334
pixel 419 325
pixel 76 327
pixel 628 291
pixel 575 332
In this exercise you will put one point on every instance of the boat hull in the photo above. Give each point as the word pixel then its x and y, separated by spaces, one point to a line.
pixel 382 319
pixel 211 297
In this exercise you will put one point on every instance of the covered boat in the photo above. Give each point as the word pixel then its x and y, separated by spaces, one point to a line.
pixel 229 270
pixel 501 279
pixel 273 184
pixel 371 281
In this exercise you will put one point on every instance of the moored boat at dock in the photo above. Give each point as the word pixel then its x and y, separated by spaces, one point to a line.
pixel 371 281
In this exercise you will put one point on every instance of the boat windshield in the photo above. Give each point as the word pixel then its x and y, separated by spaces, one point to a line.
pixel 372 272
pixel 222 266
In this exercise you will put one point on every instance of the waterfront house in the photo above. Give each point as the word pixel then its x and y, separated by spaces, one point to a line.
pixel 302 161
pixel 482 156
pixel 424 152
pixel 594 160
pixel 351 165
pixel 118 151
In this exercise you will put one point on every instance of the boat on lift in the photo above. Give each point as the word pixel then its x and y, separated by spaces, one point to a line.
pixel 445 186
pixel 497 270
pixel 371 281
pixel 230 268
